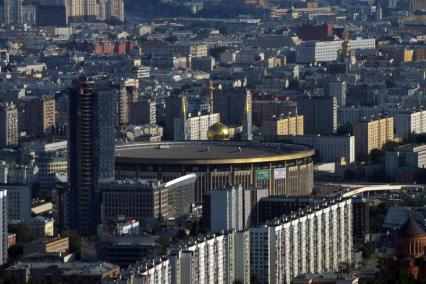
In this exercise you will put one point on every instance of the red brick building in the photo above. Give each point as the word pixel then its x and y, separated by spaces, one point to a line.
pixel 410 244
pixel 319 32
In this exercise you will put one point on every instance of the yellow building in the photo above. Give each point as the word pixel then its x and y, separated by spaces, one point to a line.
pixel 372 134
pixel 283 125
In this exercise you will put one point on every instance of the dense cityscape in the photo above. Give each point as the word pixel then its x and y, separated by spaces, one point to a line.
pixel 213 141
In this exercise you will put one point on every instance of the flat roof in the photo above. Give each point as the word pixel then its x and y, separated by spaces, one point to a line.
pixel 210 152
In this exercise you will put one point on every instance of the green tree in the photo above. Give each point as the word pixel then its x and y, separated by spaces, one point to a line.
pixel 377 156
pixel 368 250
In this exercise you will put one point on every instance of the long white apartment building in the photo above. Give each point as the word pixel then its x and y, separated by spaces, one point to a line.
pixel 328 148
pixel 314 240
pixel 213 259
pixel 406 121
pixel 327 51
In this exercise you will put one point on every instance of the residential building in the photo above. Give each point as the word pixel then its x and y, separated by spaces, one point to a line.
pixel 19 202
pixel 91 146
pixel 327 148
pixel 89 10
pixel 406 121
pixel 194 127
pixel 8 125
pixel 283 125
pixel 312 240
pixel 372 134
pixel 3 226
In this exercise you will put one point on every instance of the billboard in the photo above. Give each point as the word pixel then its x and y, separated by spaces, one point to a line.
pixel 280 173
pixel 262 175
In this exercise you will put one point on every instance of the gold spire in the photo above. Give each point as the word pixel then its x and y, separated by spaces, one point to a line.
pixel 183 105
pixel 247 105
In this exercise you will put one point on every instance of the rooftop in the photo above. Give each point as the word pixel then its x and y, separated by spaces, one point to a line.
pixel 211 152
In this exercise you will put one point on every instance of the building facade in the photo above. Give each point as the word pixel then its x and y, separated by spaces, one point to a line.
pixel 327 148
pixel 372 134
pixel 319 114
pixel 282 169
pixel 3 226
pixel 283 125
pixel 314 240
pixel 8 125
pixel 91 146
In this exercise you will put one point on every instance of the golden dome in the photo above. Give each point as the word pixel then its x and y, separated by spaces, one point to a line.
pixel 218 131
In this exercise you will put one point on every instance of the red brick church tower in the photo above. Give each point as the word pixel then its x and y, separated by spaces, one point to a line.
pixel 410 244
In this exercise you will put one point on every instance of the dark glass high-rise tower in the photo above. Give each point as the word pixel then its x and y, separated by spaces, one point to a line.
pixel 91 146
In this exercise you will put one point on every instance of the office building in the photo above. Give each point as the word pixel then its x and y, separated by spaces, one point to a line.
pixel 8 125
pixel 133 199
pixel 317 51
pixel 91 146
pixel 283 125
pixel 327 148
pixel 406 155
pixel 3 226
pixel 231 103
pixel 313 240
pixel 143 111
pixel 319 114
pixel 19 201
pixel 40 116
pixel 152 200
pixel 337 89
pixel 372 134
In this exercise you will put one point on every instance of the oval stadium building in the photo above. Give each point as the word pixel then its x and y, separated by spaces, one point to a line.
pixel 285 169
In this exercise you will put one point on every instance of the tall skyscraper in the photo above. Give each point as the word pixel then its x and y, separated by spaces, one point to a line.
pixel 91 146
pixel 8 125
pixel 3 226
